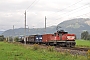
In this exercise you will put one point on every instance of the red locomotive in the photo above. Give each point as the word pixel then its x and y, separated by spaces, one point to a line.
pixel 60 38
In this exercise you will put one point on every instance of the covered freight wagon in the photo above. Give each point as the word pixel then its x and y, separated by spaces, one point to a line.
pixel 30 39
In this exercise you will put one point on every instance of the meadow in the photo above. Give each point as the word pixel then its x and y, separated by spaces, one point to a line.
pixel 15 51
pixel 83 43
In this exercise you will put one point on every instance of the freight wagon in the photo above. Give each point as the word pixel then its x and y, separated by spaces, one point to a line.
pixel 34 39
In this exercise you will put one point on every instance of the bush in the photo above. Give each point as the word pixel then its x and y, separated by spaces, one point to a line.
pixel 1 38
pixel 50 48
pixel 16 39
pixel 88 53
pixel 36 47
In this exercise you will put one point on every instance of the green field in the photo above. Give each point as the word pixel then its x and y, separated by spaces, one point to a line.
pixel 83 43
pixel 15 51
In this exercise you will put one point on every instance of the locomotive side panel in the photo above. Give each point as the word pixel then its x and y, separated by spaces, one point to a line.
pixel 64 37
pixel 38 38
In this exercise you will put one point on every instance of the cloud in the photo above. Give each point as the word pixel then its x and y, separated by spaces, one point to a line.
pixel 12 12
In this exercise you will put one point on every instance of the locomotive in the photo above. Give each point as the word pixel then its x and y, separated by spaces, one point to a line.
pixel 60 38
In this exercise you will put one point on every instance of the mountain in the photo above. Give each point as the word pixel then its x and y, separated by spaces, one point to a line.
pixel 21 31
pixel 76 26
pixel 1 32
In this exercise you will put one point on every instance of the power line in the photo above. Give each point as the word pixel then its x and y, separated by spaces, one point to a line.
pixel 74 10
pixel 69 6
pixel 83 14
pixel 34 4
pixel 31 4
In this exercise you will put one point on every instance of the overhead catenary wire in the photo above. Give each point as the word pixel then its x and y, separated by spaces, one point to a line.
pixel 31 4
pixel 79 16
pixel 67 7
pixel 74 10
pixel 82 15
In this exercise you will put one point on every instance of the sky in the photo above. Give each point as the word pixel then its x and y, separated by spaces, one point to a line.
pixel 56 11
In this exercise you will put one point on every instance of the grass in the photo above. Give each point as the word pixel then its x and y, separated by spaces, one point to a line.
pixel 11 51
pixel 83 43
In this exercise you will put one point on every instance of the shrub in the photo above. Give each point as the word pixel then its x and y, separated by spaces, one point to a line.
pixel 1 38
pixel 16 39
pixel 88 54
pixel 50 48
pixel 35 47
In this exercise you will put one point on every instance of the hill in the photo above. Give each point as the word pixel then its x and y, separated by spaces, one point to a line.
pixel 1 32
pixel 21 31
pixel 76 26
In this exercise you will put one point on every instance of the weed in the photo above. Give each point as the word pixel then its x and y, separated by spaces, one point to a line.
pixel 50 48
pixel 88 54
pixel 67 53
pixel 36 47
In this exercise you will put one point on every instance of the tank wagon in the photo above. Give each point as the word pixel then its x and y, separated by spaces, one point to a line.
pixel 60 38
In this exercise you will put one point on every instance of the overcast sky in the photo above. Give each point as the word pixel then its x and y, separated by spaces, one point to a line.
pixel 56 11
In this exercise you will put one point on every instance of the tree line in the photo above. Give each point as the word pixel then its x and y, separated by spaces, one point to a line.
pixel 85 35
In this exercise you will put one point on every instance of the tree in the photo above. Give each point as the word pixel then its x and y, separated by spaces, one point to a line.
pixel 1 38
pixel 84 35
pixel 88 38
pixel 16 39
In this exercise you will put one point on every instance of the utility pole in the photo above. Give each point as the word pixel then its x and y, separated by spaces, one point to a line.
pixel 28 30
pixel 13 33
pixel 45 24
pixel 25 29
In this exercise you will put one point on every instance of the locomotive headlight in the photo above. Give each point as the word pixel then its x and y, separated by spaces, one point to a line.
pixel 37 38
pixel 40 37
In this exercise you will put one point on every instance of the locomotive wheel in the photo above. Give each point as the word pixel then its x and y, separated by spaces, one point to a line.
pixel 72 46
pixel 68 45
pixel 47 44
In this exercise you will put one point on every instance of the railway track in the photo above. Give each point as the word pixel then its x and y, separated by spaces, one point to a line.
pixel 77 48
pixel 71 50
pixel 68 48
pixel 74 50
